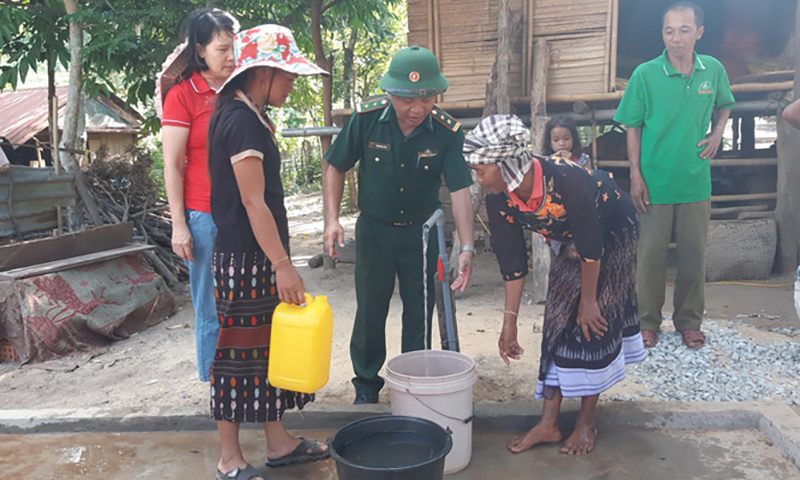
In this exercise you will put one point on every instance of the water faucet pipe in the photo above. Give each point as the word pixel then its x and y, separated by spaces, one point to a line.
pixel 443 271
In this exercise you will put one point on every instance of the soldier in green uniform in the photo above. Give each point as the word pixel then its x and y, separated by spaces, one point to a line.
pixel 405 144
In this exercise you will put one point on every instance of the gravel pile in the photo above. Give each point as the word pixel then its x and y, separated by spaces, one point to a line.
pixel 729 368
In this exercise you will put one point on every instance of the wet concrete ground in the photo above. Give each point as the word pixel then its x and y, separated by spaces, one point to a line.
pixel 620 454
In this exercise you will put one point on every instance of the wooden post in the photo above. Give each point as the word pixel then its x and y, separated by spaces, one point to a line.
pixel 529 41
pixel 56 163
pixel 509 29
pixel 39 161
pixel 431 26
pixel 437 41
pixel 503 58
pixel 614 29
pixel 498 101
pixel 787 211
pixel 526 13
pixel 607 83
pixel 593 160
pixel 540 252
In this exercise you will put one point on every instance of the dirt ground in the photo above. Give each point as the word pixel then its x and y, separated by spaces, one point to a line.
pixel 157 367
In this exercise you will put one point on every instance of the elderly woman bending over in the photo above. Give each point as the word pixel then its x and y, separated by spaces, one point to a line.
pixel 591 325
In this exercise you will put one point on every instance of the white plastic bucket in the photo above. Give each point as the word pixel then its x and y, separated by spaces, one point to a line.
pixel 442 393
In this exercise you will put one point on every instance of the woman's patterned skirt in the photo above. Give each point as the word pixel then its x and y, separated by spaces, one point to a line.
pixel 580 368
pixel 246 299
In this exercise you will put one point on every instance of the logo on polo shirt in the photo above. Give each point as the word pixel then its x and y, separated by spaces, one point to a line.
pixel 706 88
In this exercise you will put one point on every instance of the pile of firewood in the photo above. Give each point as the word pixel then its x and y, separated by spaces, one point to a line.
pixel 123 190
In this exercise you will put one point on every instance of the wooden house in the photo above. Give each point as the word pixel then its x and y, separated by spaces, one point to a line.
pixel 594 46
pixel 24 124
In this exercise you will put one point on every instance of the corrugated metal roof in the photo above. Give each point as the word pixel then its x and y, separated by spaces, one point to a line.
pixel 23 112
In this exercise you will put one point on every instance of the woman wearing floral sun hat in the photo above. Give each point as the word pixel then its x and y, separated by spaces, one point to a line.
pixel 251 264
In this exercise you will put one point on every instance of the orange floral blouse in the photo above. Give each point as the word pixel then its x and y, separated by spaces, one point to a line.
pixel 580 205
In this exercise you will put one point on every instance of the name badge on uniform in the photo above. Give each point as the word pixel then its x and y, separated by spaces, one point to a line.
pixel 380 146
pixel 427 153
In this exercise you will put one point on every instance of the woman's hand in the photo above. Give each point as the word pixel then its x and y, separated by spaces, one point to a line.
pixel 182 242
pixel 509 348
pixel 291 288
pixel 570 251
pixel 590 321
pixel 464 271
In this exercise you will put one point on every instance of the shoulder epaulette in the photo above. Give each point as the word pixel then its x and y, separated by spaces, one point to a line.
pixel 372 105
pixel 445 119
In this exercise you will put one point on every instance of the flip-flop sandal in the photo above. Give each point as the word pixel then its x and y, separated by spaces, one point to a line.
pixel 245 473
pixel 649 338
pixel 693 339
pixel 306 451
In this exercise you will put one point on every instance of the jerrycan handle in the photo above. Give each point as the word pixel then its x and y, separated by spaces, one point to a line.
pixel 309 299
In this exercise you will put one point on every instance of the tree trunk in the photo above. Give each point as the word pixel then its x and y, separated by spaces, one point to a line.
pixel 324 63
pixel 348 79
pixel 327 93
pixel 787 210
pixel 52 125
pixel 540 252
pixel 71 135
pixel 348 68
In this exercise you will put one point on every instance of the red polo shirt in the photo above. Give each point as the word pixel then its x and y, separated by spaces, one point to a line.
pixel 190 104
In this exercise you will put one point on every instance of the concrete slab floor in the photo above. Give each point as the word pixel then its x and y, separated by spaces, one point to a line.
pixel 620 454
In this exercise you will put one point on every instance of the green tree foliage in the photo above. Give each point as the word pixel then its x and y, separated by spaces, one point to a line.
pixel 28 31
pixel 126 42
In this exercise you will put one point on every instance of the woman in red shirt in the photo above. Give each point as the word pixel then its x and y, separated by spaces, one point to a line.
pixel 187 109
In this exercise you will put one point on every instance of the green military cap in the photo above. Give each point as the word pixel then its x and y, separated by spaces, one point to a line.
pixel 414 72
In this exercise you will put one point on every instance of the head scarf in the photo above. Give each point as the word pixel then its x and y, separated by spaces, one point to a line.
pixel 500 140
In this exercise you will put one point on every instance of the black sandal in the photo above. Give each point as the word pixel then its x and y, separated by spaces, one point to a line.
pixel 245 473
pixel 306 451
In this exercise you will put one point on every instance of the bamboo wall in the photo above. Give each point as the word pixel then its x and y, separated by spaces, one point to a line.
pixel 463 35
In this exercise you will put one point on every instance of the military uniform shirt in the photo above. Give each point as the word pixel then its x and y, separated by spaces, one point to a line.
pixel 399 177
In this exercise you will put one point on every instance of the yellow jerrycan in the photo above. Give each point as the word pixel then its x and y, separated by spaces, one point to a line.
pixel 300 345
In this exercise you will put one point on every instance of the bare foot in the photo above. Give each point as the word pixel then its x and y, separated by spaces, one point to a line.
pixel 581 441
pixel 534 436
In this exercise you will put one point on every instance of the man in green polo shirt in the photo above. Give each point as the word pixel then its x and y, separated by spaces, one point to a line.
pixel 667 108
pixel 405 144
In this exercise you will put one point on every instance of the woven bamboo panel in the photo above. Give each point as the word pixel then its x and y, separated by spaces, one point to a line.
pixel 740 250
pixel 418 15
pixel 463 35
pixel 552 17
pixel 579 46
pixel 577 64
